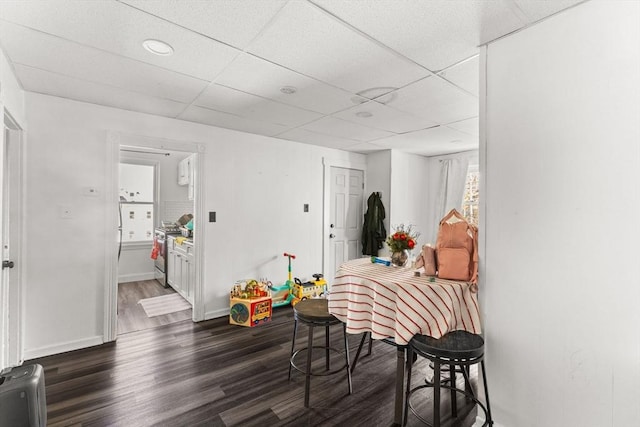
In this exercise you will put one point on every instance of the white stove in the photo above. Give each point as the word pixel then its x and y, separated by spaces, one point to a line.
pixel 161 234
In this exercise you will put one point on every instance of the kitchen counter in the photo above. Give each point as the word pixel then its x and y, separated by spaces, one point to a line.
pixel 181 266
pixel 188 241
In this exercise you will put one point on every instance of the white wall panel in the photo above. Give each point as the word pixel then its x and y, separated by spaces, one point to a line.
pixel 561 169
pixel 256 185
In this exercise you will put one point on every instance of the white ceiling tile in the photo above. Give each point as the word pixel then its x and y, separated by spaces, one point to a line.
pixel 535 10
pixel 118 28
pixel 39 50
pixel 465 75
pixel 308 137
pixel 384 117
pixel 343 129
pixel 434 33
pixel 470 126
pixel 330 50
pixel 307 40
pixel 230 21
pixel 230 121
pixel 250 106
pixel 254 75
pixel 35 80
pixel 436 99
pixel 431 142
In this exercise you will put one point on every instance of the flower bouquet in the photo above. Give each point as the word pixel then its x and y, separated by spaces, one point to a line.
pixel 401 242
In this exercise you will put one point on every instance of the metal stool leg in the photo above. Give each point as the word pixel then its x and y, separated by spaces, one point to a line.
pixel 486 393
pixel 307 383
pixel 405 412
pixel 355 359
pixel 346 355
pixel 452 382
pixel 436 394
pixel 326 347
pixel 467 381
pixel 293 344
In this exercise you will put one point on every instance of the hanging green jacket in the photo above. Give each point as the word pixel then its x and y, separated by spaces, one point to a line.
pixel 373 231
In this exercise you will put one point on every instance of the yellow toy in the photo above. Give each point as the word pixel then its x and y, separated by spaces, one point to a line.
pixel 250 305
pixel 316 289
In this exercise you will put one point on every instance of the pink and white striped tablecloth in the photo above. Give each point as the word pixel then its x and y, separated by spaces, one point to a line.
pixel 392 302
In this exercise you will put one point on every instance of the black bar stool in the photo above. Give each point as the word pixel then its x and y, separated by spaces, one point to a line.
pixel 457 348
pixel 315 312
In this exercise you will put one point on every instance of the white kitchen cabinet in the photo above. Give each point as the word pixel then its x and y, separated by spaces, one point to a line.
pixel 181 268
pixel 183 172
pixel 190 165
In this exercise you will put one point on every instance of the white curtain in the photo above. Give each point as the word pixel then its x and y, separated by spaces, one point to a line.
pixel 453 175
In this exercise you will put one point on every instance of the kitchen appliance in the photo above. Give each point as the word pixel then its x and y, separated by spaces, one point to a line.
pixel 160 236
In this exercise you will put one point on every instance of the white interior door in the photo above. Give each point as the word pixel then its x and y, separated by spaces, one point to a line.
pixel 345 216
pixel 11 229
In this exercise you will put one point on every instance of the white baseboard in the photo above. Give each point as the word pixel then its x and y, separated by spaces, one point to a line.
pixel 62 347
pixel 223 312
pixel 124 278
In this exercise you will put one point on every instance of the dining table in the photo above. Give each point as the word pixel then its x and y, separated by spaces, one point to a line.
pixel 392 302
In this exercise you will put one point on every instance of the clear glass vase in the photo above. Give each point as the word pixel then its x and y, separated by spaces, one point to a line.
pixel 399 258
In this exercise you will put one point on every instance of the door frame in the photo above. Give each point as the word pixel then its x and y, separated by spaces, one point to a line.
pixel 327 164
pixel 12 307
pixel 114 141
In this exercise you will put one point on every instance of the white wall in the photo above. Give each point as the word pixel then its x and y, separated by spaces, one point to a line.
pixel 402 179
pixel 561 165
pixel 378 178
pixel 11 95
pixel 257 186
pixel 409 174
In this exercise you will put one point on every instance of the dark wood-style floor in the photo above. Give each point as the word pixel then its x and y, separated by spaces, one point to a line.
pixel 215 374
pixel 131 315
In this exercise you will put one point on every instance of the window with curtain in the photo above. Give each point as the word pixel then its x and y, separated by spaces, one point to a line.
pixel 470 199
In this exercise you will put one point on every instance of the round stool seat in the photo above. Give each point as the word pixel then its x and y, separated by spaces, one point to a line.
pixel 314 311
pixel 454 345
pixel 458 350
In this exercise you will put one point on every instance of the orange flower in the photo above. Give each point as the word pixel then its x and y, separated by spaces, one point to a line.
pixel 403 238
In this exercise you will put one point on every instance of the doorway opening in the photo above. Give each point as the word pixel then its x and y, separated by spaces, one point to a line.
pixel 11 289
pixel 154 193
pixel 343 212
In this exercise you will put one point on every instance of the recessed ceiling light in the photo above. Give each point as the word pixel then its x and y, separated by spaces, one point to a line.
pixel 288 90
pixel 377 93
pixel 364 114
pixel 158 47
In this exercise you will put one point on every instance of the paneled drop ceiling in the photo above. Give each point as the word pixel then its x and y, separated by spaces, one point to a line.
pixel 357 75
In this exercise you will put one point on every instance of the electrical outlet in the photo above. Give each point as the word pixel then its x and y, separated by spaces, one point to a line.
pixel 306 207
pixel 212 217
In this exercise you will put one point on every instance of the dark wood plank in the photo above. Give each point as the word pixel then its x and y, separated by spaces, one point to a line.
pixel 131 315
pixel 215 374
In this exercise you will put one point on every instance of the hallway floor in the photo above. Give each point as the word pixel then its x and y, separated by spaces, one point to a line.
pixel 131 315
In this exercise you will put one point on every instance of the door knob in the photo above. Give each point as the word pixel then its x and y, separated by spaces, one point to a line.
pixel 331 236
pixel 7 264
pixel 332 226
